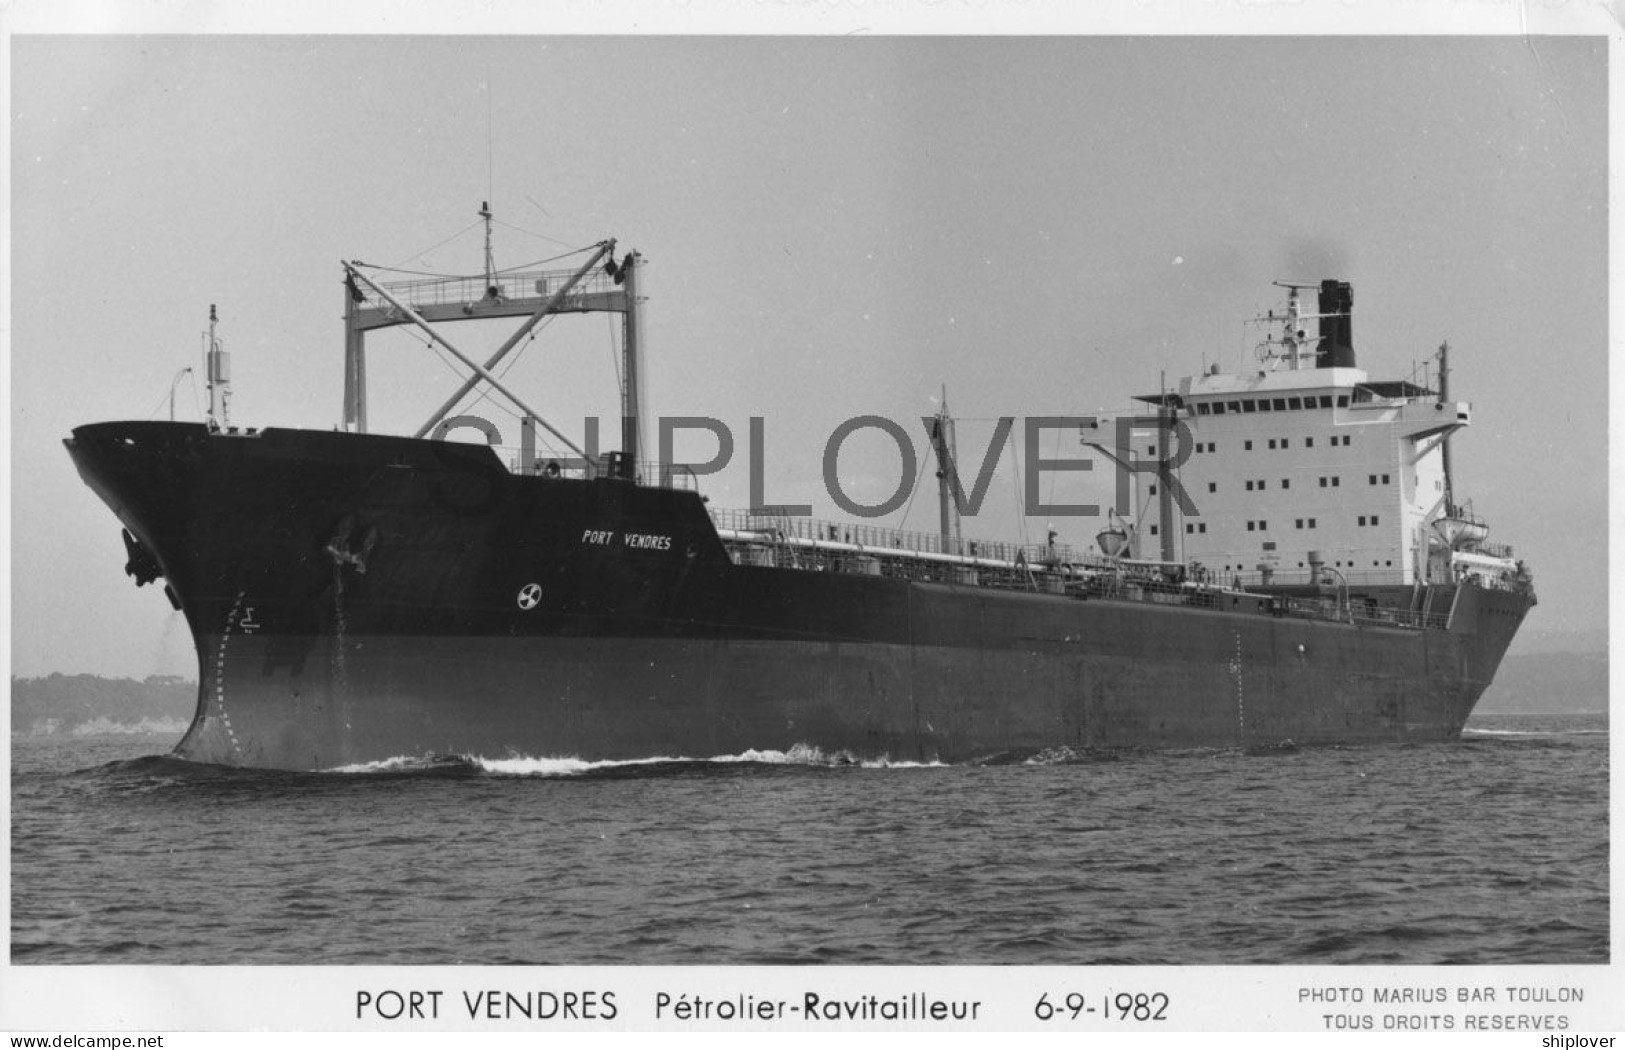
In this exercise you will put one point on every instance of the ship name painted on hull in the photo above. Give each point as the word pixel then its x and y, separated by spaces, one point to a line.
pixel 643 541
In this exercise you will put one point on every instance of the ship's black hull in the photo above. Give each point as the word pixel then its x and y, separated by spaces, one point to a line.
pixel 355 598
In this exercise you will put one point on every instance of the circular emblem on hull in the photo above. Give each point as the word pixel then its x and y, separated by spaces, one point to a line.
pixel 530 595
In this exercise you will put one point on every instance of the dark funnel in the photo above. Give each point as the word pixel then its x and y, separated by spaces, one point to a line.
pixel 1337 332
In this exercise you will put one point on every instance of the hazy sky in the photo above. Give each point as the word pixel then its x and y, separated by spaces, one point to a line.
pixel 834 226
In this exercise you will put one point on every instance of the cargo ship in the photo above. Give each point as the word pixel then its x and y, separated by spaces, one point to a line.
pixel 1290 567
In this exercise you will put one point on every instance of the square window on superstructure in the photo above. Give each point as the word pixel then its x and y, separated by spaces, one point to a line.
pixel 1362 519
pixel 1385 479
pixel 1373 479
pixel 1263 525
pixel 1322 482
pixel 1272 442
pixel 1373 519
pixel 1280 404
pixel 1201 408
pixel 1295 402
pixel 1325 401
pixel 1213 486
pixel 1342 401
pixel 1260 484
pixel 1151 450
pixel 1218 408
pixel 1308 442
pixel 1249 485
pixel 1249 526
pixel 1235 406
pixel 1153 530
pixel 1153 490
pixel 1298 524
pixel 1286 483
pixel 1269 545
pixel 1335 480
pixel 1201 526
pixel 1263 404
pixel 1189 528
pixel 1311 523
pixel 1249 405
pixel 1286 442
pixel 1246 446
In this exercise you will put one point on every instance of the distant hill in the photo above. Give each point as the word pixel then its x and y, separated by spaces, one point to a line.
pixel 1549 682
pixel 85 703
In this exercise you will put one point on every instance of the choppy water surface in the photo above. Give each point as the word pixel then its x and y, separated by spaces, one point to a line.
pixel 1490 850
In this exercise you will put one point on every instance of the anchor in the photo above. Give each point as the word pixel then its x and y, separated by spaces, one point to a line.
pixel 339 548
pixel 143 565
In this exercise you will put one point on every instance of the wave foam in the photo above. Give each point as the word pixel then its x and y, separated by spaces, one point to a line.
pixel 570 765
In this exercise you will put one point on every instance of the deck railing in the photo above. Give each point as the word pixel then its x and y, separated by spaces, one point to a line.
pixel 520 285
pixel 805 545
pixel 879 538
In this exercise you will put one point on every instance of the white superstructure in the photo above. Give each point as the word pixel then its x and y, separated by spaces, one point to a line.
pixel 1302 467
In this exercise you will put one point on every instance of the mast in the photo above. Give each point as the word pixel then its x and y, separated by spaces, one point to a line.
pixel 218 368
pixel 1444 443
pixel 1165 494
pixel 490 258
pixel 942 441
pixel 631 358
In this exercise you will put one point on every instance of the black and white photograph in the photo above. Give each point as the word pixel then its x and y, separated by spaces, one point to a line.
pixel 816 524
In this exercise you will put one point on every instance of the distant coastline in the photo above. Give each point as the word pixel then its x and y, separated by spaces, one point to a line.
pixel 86 704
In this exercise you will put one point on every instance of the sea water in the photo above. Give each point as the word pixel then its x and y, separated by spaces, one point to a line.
pixel 1493 849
